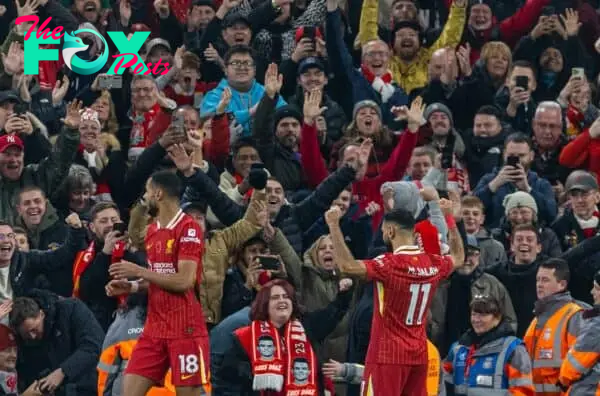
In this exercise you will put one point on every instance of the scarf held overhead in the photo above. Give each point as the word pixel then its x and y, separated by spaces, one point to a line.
pixel 291 368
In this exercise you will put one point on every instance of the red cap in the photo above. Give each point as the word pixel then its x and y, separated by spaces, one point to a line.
pixel 7 337
pixel 300 33
pixel 7 141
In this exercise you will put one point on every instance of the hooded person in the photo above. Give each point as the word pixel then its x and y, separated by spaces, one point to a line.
pixel 431 228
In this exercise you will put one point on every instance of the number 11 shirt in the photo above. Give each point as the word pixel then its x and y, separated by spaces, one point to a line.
pixel 405 282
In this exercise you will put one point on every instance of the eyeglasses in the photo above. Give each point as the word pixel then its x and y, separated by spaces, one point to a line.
pixel 4 237
pixel 241 64
pixel 142 89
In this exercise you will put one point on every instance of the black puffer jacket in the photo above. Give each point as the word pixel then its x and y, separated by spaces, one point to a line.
pixel 36 267
pixel 483 154
pixel 292 220
pixel 72 341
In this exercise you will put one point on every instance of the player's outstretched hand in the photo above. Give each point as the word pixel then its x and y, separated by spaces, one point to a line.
pixel 125 269
pixel 117 287
pixel 332 368
pixel 333 215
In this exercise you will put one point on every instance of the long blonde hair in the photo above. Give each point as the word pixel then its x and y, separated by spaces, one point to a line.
pixel 111 126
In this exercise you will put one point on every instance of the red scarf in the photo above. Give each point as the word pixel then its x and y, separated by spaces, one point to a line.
pixel 387 77
pixel 238 180
pixel 85 257
pixel 591 231
pixel 575 121
pixel 291 353
pixel 147 128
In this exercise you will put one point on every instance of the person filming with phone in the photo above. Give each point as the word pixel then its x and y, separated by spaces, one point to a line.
pixel 90 269
pixel 517 97
pixel 515 175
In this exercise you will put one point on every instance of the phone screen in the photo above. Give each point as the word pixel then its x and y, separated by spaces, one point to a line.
pixel 513 160
pixel 269 263
pixel 522 82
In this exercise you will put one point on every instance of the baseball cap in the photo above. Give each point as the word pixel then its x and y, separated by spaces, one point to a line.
pixel 7 337
pixel 6 96
pixel 231 20
pixel 156 43
pixel 7 141
pixel 581 180
pixel 206 3
pixel 309 63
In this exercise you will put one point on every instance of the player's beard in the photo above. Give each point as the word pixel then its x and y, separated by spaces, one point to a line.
pixel 388 245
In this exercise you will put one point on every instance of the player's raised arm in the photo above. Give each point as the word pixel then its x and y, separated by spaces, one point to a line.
pixel 455 242
pixel 341 254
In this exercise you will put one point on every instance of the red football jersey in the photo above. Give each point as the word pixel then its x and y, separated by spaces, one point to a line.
pixel 174 315
pixel 405 282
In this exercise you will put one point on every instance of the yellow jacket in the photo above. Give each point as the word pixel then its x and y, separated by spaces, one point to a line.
pixel 413 75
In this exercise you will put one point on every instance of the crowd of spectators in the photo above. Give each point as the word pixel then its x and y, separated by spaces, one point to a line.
pixel 484 111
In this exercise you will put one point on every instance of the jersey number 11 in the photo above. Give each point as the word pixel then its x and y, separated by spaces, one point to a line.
pixel 417 290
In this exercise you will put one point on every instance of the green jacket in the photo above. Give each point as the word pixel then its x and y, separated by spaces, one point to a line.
pixel 48 174
pixel 318 288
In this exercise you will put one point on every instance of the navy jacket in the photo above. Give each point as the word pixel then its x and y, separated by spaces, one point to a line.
pixel 541 191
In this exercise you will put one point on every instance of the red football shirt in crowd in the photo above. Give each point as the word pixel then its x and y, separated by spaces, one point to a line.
pixel 405 282
pixel 174 315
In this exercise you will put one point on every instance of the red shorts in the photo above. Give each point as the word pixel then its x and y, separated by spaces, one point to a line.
pixel 394 379
pixel 188 359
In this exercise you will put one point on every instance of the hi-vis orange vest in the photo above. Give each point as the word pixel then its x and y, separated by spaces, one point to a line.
pixel 433 370
pixel 548 347
pixel 113 361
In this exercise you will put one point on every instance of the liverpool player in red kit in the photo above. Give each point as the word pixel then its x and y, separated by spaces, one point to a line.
pixel 175 334
pixel 405 282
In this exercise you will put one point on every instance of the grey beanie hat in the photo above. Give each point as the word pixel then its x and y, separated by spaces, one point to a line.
pixel 366 103
pixel 406 196
pixel 435 107
pixel 519 199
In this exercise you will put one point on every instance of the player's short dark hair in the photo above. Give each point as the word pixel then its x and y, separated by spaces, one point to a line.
pixel 402 218
pixel 101 207
pixel 168 181
pixel 560 267
pixel 23 308
pixel 266 338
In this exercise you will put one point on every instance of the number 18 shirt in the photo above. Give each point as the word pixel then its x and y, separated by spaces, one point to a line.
pixel 405 282
pixel 174 315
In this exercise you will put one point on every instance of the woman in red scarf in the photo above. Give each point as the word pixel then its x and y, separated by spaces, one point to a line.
pixel 274 356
